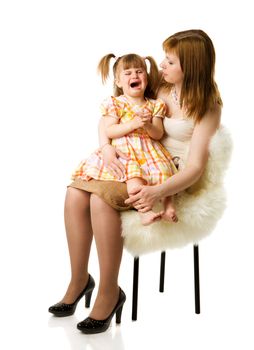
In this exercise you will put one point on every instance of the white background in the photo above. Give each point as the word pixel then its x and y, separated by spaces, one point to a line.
pixel 50 95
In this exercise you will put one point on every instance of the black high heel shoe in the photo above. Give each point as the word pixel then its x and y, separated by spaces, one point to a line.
pixel 92 326
pixel 62 309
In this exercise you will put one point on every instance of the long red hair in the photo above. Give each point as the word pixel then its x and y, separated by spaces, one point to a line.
pixel 196 53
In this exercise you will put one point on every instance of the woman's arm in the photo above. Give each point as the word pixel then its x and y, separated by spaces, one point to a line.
pixel 103 138
pixel 146 196
pixel 110 154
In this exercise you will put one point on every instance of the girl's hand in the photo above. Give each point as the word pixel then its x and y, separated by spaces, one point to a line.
pixel 140 121
pixel 143 197
pixel 110 157
pixel 147 119
pixel 137 123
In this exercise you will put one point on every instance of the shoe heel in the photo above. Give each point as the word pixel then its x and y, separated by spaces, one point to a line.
pixel 119 314
pixel 88 297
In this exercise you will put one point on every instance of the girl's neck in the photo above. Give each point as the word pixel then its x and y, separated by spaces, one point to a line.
pixel 138 100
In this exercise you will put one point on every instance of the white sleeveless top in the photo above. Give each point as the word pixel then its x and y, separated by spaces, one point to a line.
pixel 177 136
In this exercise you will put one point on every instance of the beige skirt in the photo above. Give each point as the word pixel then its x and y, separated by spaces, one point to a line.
pixel 112 192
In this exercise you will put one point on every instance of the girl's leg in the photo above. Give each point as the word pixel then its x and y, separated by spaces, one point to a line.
pixel 169 210
pixel 149 217
pixel 79 238
pixel 106 225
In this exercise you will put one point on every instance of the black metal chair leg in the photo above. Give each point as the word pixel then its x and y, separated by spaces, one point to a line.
pixel 196 279
pixel 162 271
pixel 135 289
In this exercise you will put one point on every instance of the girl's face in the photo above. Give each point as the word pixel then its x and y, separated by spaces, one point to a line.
pixel 132 81
pixel 171 69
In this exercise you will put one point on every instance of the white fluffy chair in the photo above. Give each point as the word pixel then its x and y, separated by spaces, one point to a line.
pixel 198 210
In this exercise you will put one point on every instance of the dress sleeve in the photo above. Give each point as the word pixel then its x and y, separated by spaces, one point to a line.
pixel 160 109
pixel 109 108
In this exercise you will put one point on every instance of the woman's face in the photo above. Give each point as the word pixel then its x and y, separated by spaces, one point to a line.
pixel 171 68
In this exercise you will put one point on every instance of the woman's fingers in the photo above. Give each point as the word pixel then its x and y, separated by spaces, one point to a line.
pixel 135 190
pixel 144 210
pixel 120 166
pixel 133 199
pixel 121 154
pixel 117 169
pixel 114 165
pixel 143 197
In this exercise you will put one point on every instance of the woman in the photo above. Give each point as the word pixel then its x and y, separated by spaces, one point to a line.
pixel 194 107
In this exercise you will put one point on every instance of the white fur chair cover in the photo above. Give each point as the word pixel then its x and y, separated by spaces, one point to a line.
pixel 198 209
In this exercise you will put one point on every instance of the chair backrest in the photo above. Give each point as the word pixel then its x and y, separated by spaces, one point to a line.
pixel 198 209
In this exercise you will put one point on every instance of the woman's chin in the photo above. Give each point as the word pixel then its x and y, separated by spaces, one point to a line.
pixel 167 79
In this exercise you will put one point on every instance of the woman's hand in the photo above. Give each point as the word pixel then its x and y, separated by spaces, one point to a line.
pixel 110 156
pixel 144 197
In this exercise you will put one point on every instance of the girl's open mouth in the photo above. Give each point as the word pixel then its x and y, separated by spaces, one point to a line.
pixel 135 84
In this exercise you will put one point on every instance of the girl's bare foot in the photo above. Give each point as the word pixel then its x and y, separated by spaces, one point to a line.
pixel 170 215
pixel 149 217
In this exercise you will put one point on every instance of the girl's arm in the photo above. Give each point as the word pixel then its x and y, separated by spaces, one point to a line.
pixel 115 130
pixel 144 197
pixel 154 126
pixel 155 129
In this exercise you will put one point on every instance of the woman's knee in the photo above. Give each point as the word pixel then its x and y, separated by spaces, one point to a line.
pixel 97 202
pixel 99 205
pixel 77 198
pixel 100 208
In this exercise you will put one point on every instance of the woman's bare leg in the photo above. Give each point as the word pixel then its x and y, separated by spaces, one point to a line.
pixel 79 237
pixel 106 225
pixel 150 216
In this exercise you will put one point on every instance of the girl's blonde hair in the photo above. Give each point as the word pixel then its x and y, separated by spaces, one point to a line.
pixel 196 53
pixel 130 61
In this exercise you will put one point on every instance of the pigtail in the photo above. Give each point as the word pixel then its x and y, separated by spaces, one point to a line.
pixel 103 67
pixel 153 78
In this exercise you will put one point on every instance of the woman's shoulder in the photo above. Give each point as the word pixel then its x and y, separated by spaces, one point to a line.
pixel 163 92
pixel 209 123
pixel 164 95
